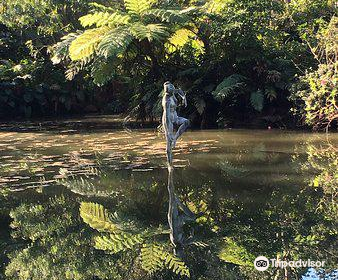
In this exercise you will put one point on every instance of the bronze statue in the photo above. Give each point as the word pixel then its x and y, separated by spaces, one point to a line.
pixel 170 117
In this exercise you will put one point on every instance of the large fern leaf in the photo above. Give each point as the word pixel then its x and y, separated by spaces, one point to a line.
pixel 102 71
pixel 104 18
pixel 257 100
pixel 172 16
pixel 60 50
pixel 116 41
pixel 118 242
pixel 138 7
pixel 229 86
pixel 97 217
pixel 176 265
pixel 152 256
pixel 153 32
pixel 84 45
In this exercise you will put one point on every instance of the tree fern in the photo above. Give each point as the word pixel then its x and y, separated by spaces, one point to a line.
pixel 76 66
pixel 116 41
pixel 172 16
pixel 256 100
pixel 118 242
pixel 154 258
pixel 229 86
pixel 60 50
pixel 97 217
pixel 84 45
pixel 138 7
pixel 152 32
pixel 102 71
pixel 104 18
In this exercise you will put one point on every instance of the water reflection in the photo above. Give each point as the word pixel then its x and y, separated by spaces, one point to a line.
pixel 178 215
pixel 104 218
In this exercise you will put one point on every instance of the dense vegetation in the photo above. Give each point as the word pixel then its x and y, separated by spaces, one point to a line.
pixel 271 62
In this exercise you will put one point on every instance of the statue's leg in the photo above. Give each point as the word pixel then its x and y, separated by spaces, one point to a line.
pixel 183 125
pixel 169 140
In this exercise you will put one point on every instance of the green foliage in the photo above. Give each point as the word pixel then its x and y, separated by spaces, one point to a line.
pixel 256 100
pixel 229 87
pixel 154 257
pixel 54 245
pixel 118 242
pixel 97 217
pixel 231 252
pixel 316 91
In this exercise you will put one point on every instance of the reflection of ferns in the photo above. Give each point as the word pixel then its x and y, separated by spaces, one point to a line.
pixel 118 241
pixel 123 237
pixel 97 217
pixel 230 171
pixel 154 258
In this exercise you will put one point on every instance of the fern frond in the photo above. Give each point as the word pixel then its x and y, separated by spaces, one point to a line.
pixel 101 7
pixel 229 86
pixel 97 217
pixel 102 71
pixel 171 16
pixel 104 19
pixel 138 7
pixel 116 41
pixel 181 37
pixel 257 100
pixel 152 256
pixel 76 66
pixel 176 265
pixel 152 32
pixel 84 45
pixel 60 49
pixel 117 242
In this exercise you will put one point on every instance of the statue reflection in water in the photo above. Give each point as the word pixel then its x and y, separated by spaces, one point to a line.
pixel 178 213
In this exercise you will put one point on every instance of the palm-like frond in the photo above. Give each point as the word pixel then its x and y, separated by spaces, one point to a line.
pixel 60 49
pixel 183 36
pixel 118 242
pixel 138 7
pixel 115 41
pixel 172 16
pixel 229 86
pixel 257 100
pixel 97 217
pixel 84 45
pixel 76 66
pixel 102 71
pixel 154 258
pixel 104 19
pixel 152 32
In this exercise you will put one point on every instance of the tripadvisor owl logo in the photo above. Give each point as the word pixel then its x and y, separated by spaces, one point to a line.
pixel 261 263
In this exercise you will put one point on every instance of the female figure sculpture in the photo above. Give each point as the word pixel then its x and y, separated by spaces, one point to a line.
pixel 170 117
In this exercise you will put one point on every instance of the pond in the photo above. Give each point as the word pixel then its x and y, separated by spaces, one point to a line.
pixel 89 202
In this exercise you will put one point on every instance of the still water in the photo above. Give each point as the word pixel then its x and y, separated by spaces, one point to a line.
pixel 92 203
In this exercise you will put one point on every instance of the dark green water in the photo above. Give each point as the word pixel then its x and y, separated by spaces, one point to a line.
pixel 270 193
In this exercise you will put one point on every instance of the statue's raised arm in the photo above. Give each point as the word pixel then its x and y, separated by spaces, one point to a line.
pixel 170 117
